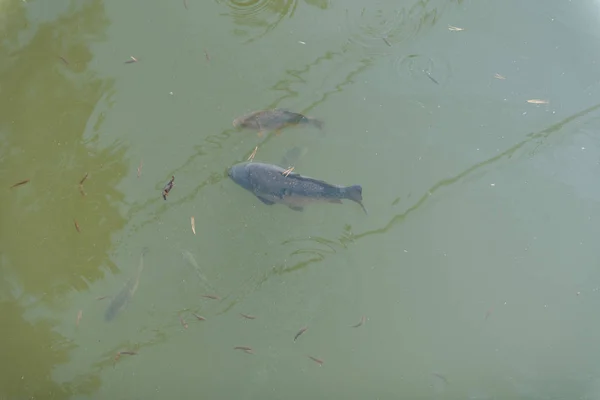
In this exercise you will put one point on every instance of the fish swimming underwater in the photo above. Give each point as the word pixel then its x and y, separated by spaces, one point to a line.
pixel 271 185
pixel 125 295
pixel 275 119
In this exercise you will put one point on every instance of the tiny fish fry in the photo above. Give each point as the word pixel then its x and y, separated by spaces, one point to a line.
pixel 79 315
pixel 211 296
pixel 183 323
pixel 193 221
pixel 83 179
pixel 360 323
pixel 245 349
pixel 248 316
pixel 317 360
pixel 300 332
pixel 20 183
pixel 77 226
pixel 200 317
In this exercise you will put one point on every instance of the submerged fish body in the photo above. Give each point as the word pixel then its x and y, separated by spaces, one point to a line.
pixel 191 260
pixel 274 119
pixel 272 185
pixel 124 296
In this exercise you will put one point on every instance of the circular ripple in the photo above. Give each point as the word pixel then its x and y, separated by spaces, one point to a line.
pixel 422 69
pixel 375 27
pixel 257 17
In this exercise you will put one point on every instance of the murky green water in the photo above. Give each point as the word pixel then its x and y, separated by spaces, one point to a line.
pixel 476 268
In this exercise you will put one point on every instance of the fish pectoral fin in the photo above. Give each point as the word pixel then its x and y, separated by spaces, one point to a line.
pixel 297 208
pixel 266 201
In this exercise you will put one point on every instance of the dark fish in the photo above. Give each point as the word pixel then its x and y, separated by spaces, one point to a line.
pixel 125 295
pixel 168 187
pixel 246 349
pixel 274 119
pixel 20 183
pixel 248 316
pixel 83 179
pixel 300 332
pixel 210 296
pixel 269 183
pixel 199 317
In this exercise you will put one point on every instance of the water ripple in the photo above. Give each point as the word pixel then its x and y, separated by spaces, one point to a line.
pixel 421 68
pixel 258 15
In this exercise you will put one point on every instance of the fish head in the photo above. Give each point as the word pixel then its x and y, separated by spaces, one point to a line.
pixel 239 174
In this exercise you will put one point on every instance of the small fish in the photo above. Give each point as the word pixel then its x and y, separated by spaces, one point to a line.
pixel 191 260
pixel 300 332
pixel 538 101
pixel 63 60
pixel 77 226
pixel 168 187
pixel 268 183
pixel 82 191
pixel 200 317
pixel 248 316
pixel 193 222
pixel 360 323
pixel 126 294
pixel 79 315
pixel 185 4
pixel 275 119
pixel 132 59
pixel 102 297
pixel 244 348
pixel 498 76
pixel 211 296
pixel 206 55
pixel 83 179
pixel 129 353
pixel 440 376
pixel 317 360
pixel 386 42
pixel 253 154
pixel 139 170
pixel 183 323
pixel 20 183
pixel 431 77
pixel 488 313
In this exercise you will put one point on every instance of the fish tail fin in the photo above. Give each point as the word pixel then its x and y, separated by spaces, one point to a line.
pixel 354 193
pixel 316 122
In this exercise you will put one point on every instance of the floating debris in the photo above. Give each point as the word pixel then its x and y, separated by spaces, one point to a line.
pixel 455 28
pixel 287 171
pixel 538 101
pixel 79 315
pixel 193 222
pixel 498 76
pixel 131 60
pixel 139 171
pixel 253 154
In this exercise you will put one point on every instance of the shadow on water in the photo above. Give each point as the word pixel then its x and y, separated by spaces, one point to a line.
pixel 50 98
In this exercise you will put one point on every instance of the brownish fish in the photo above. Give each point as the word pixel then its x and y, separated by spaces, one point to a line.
pixel 248 316
pixel 20 183
pixel 362 321
pixel 79 315
pixel 300 332
pixel 274 119
pixel 183 323
pixel 200 317
pixel 140 168
pixel 83 179
pixel 132 59
pixel 317 360
pixel 77 226
pixel 211 296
